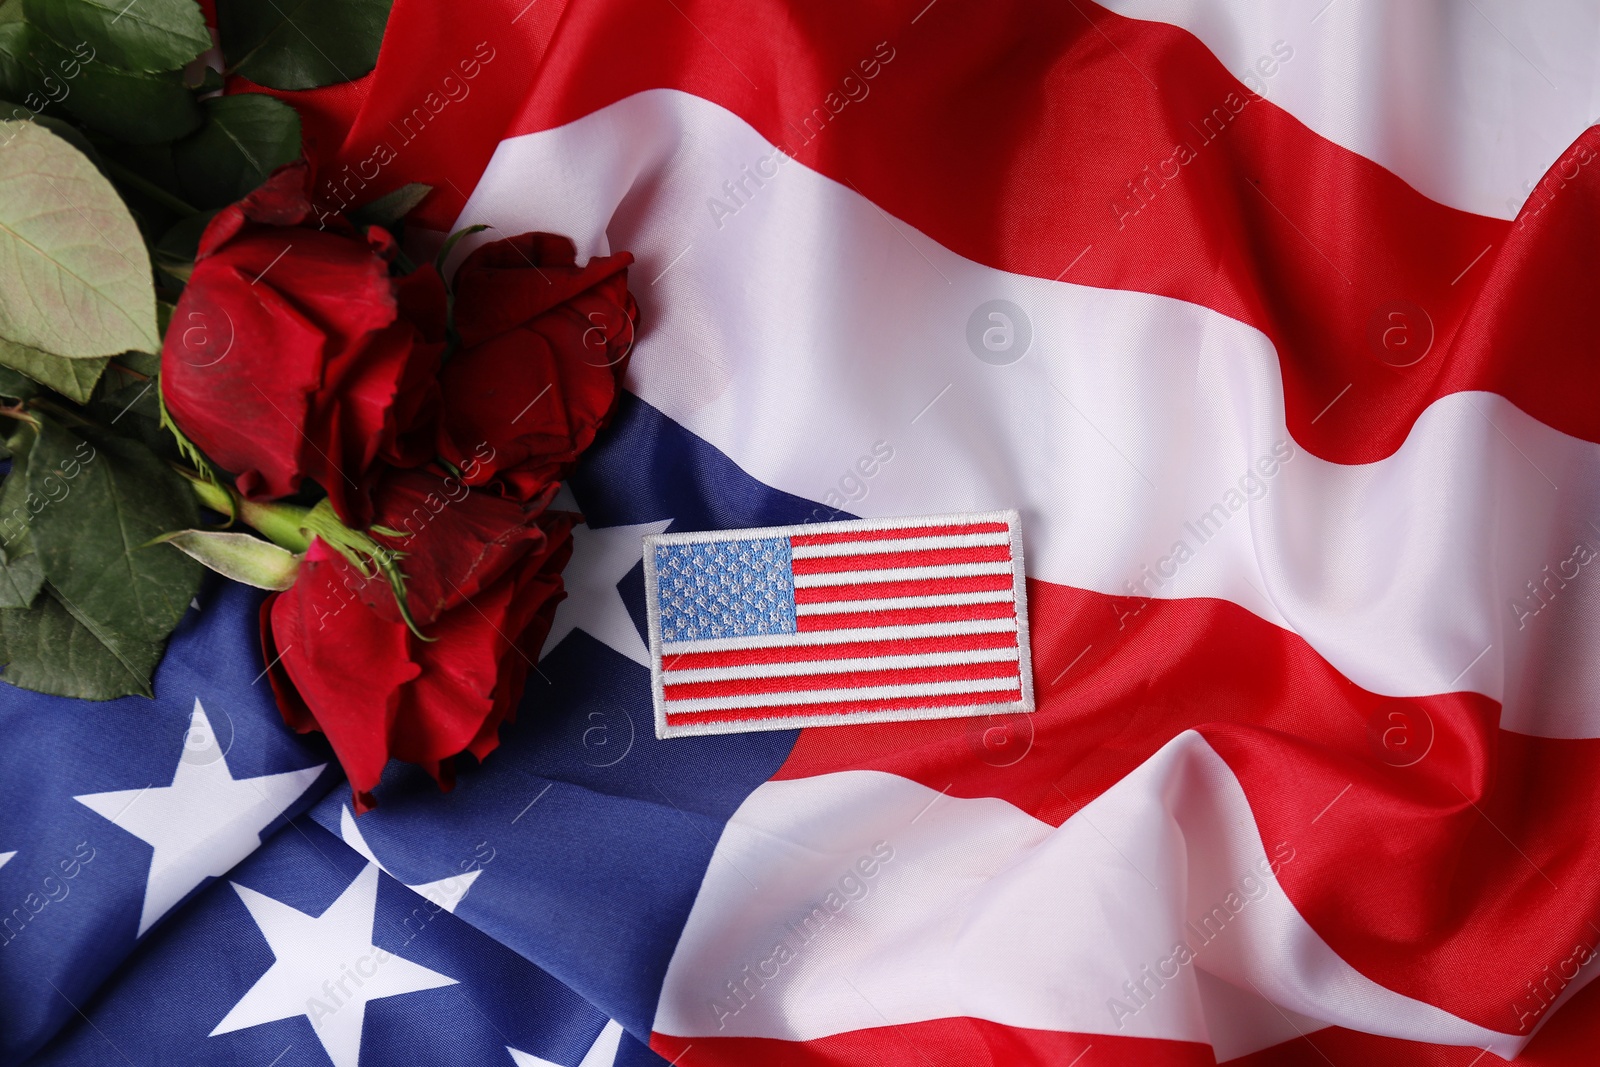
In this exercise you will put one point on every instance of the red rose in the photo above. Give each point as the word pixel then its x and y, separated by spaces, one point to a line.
pixel 294 353
pixel 483 581
pixel 544 343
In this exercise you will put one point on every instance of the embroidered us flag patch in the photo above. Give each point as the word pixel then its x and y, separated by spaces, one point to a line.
pixel 870 620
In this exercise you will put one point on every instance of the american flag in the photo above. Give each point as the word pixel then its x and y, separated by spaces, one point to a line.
pixel 1312 783
pixel 841 622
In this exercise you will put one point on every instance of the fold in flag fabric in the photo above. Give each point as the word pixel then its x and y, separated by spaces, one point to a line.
pixel 1274 322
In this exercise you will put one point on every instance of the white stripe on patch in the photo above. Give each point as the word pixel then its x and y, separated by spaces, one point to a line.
pixel 830 666
pixel 836 637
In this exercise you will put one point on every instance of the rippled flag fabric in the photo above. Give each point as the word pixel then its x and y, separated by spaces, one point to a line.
pixel 1274 323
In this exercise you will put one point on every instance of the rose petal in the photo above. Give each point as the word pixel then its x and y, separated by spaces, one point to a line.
pixel 454 543
pixel 505 283
pixel 213 378
pixel 347 665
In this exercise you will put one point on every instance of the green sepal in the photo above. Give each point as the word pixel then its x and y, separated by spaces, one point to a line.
pixel 391 207
pixel 241 557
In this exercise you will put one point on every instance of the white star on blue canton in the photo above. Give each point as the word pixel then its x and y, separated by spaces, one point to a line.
pixel 325 968
pixel 202 824
pixel 603 1053
pixel 600 559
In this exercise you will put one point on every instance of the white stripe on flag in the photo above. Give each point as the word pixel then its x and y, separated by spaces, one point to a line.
pixel 1422 592
pixel 831 666
pixel 938 600
pixel 1064 915
pixel 839 696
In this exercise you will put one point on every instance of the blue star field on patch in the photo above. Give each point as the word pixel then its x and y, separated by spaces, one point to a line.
pixel 718 589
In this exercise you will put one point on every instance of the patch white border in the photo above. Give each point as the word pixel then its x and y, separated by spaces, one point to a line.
pixel 1011 518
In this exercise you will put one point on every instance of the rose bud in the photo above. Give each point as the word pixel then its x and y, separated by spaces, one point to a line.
pixel 483 577
pixel 544 344
pixel 294 354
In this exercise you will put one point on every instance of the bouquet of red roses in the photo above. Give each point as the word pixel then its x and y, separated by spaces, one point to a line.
pixel 277 393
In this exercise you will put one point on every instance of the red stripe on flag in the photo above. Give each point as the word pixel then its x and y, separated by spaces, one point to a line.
pixel 785 711
pixel 1116 678
pixel 1567 1039
pixel 800 683
pixel 855 620
pixel 845 536
pixel 844 650
pixel 927 557
pixel 828 594
pixel 961 1042
pixel 1240 230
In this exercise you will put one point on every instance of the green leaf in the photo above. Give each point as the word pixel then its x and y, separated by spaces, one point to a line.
pixel 16 71
pixel 240 556
pixel 14 539
pixel 20 581
pixel 21 574
pixel 143 362
pixel 58 126
pixel 301 44
pixel 132 106
pixel 245 138
pixel 390 208
pixel 77 274
pixel 133 409
pixel 49 650
pixel 68 133
pixel 135 397
pixel 451 241
pixel 211 81
pixel 151 35
pixel 18 385
pixel 101 500
pixel 176 250
pixel 72 378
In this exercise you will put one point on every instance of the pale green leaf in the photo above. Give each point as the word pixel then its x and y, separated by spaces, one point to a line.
pixel 72 378
pixel 77 274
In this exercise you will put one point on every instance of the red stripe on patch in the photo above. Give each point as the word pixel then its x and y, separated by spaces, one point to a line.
pixel 846 536
pixel 828 594
pixel 844 650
